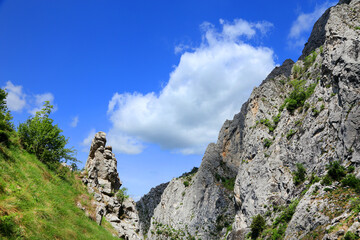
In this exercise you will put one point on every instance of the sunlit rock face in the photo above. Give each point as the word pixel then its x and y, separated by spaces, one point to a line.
pixel 102 179
pixel 262 145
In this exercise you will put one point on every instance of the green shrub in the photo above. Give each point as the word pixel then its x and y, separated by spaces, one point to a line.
pixel 229 184
pixel 267 142
pixel 290 134
pixel 287 214
pixel 298 122
pixel 8 227
pixel 298 96
pixel 276 119
pixel 122 195
pixel 277 233
pixel 297 70
pixel 351 236
pixel 186 183
pixel 326 180
pixel 314 178
pixel 6 127
pixel 355 204
pixel 40 136
pixel 336 171
pixel 310 59
pixel 267 123
pixel 257 226
pixel 351 181
pixel 292 104
pixel 299 174
pixel 350 169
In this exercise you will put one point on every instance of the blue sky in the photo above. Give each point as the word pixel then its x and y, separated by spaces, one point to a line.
pixel 160 77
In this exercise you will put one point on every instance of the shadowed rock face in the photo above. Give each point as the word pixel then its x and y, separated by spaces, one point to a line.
pixel 326 128
pixel 147 204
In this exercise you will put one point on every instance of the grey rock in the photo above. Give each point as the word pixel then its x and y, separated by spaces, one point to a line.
pixel 103 180
pixel 101 165
pixel 147 204
pixel 202 208
pixel 98 197
pixel 355 228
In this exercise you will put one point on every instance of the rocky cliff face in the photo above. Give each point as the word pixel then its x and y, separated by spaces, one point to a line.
pixel 102 179
pixel 305 113
pixel 324 129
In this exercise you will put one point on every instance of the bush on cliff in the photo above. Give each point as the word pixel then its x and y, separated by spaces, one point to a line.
pixel 257 226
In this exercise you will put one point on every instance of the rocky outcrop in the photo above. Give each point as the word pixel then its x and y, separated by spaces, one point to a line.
pixel 101 166
pixel 102 180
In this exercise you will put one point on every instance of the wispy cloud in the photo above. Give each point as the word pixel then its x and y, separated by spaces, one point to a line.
pixel 208 86
pixel 39 100
pixel 16 99
pixel 302 26
pixel 75 121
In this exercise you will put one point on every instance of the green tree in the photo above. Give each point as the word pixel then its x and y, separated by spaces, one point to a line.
pixel 300 174
pixel 40 136
pixel 122 195
pixel 5 125
pixel 257 226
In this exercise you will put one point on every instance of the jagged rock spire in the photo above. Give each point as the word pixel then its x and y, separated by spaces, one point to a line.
pixel 101 165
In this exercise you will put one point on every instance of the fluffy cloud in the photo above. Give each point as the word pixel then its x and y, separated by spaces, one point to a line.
pixel 39 100
pixel 302 26
pixel 74 121
pixel 16 98
pixel 208 86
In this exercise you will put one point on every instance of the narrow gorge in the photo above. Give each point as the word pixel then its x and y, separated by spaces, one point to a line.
pixel 273 161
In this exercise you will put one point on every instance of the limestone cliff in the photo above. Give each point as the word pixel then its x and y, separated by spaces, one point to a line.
pixel 305 113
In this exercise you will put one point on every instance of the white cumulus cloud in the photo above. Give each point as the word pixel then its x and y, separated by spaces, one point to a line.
pixel 302 26
pixel 15 99
pixel 209 85
pixel 74 121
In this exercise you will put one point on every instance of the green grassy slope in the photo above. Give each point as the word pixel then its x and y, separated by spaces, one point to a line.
pixel 39 203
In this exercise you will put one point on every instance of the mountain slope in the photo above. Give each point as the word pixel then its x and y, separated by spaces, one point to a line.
pixel 303 119
pixel 39 203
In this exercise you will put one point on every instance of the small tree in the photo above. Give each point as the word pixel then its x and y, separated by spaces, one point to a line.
pixel 336 171
pixel 299 175
pixel 122 195
pixel 257 226
pixel 40 136
pixel 5 125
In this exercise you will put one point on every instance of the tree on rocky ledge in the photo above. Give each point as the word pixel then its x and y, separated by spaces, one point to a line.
pixel 40 136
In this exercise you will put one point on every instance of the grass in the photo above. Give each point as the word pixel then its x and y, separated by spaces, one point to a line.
pixel 38 203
